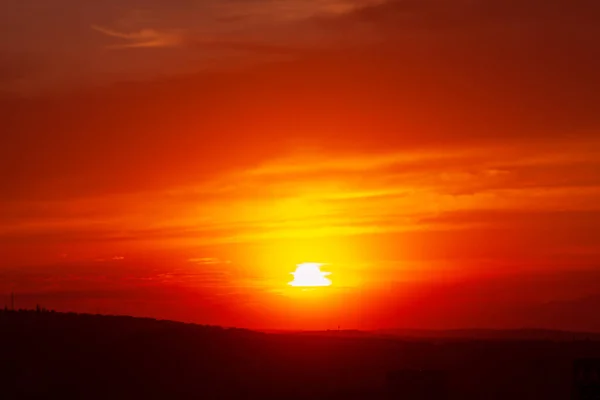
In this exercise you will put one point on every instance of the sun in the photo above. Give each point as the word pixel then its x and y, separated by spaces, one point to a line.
pixel 310 275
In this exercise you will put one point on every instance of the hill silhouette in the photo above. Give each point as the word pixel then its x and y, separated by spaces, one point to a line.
pixel 68 356
pixel 493 334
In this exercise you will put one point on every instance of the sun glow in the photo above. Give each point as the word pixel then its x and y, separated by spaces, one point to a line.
pixel 310 275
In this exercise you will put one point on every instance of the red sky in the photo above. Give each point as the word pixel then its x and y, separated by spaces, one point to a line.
pixel 177 159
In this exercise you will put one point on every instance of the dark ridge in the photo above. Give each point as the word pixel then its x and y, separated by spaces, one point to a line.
pixel 46 354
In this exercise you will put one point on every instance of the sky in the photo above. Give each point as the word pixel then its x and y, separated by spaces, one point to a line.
pixel 178 158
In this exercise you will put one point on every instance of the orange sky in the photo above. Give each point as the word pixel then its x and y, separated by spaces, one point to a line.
pixel 177 159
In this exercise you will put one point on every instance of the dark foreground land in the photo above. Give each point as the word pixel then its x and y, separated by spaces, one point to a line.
pixel 69 356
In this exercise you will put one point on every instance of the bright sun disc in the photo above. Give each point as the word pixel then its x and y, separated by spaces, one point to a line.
pixel 310 275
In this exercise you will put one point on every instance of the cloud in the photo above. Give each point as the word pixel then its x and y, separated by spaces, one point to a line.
pixel 150 38
pixel 464 15
pixel 555 38
pixel 277 28
pixel 208 261
pixel 146 38
pixel 492 187
pixel 368 138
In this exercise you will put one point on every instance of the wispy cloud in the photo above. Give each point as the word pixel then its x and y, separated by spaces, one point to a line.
pixel 208 261
pixel 152 38
pixel 341 195
pixel 145 38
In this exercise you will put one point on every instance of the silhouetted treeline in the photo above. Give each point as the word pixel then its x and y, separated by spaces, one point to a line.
pixel 70 356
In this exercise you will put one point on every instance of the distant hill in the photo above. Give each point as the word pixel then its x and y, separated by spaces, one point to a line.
pixel 492 334
pixel 455 334
pixel 73 356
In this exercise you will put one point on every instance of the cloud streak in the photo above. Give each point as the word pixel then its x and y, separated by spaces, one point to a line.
pixel 325 195
pixel 145 38
pixel 151 38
